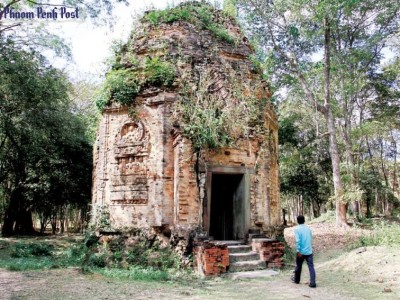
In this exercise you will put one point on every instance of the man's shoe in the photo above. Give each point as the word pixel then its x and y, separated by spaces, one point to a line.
pixel 293 279
pixel 312 285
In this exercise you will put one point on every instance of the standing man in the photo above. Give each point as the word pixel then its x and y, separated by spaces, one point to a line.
pixel 303 238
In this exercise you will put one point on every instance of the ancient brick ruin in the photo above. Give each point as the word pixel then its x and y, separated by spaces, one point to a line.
pixel 147 171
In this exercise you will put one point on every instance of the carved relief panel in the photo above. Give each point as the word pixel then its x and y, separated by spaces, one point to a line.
pixel 129 180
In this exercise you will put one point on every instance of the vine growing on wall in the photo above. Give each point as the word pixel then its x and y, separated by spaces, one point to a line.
pixel 215 111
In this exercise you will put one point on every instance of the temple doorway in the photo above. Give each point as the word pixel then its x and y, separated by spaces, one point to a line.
pixel 228 206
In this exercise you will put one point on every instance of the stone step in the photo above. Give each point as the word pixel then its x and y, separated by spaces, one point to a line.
pixel 239 249
pixel 227 243
pixel 247 256
pixel 247 266
pixel 253 236
pixel 261 240
pixel 267 273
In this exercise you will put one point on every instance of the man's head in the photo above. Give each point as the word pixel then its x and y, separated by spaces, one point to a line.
pixel 300 219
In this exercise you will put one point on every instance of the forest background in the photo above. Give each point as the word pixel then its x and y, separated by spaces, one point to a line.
pixel 333 66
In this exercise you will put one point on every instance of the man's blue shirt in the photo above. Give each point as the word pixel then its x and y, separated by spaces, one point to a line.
pixel 303 238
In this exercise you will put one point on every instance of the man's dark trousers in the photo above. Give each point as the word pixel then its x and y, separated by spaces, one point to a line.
pixel 299 264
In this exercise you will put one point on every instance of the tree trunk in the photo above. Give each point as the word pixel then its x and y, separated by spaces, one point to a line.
pixel 8 225
pixel 341 208
pixel 67 226
pixel 53 223
pixel 376 201
pixel 24 223
pixel 77 220
pixel 62 216
pixel 43 223
pixel 18 218
pixel 317 209
pixel 395 185
pixel 355 207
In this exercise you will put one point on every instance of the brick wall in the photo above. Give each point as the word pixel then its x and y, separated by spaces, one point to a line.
pixel 271 251
pixel 210 259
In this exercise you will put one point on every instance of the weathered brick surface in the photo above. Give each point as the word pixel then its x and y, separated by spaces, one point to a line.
pixel 210 259
pixel 271 251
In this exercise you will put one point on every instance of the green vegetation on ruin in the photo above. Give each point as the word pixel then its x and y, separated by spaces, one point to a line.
pixel 206 119
pixel 202 16
pixel 212 120
pixel 123 85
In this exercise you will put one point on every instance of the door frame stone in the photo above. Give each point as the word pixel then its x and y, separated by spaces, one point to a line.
pixel 228 170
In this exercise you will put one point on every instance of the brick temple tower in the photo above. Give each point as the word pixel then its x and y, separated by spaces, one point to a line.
pixel 188 141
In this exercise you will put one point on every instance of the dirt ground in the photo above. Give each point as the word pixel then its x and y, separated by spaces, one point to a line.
pixel 363 273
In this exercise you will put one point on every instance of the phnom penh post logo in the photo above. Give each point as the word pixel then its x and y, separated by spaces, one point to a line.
pixel 61 12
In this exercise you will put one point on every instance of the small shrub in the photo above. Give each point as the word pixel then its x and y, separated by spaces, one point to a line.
pixel 221 33
pixel 4 244
pixel 382 234
pixel 42 250
pixel 157 258
pixel 123 86
pixel 73 256
pixel 97 260
pixel 91 239
pixel 163 259
pixel 116 65
pixel 102 99
pixel 366 221
pixel 169 15
pixel 137 254
pixel 159 73
pixel 28 250
pixel 204 14
pixel 256 64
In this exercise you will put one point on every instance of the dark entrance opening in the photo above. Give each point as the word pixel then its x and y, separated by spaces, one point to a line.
pixel 227 209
